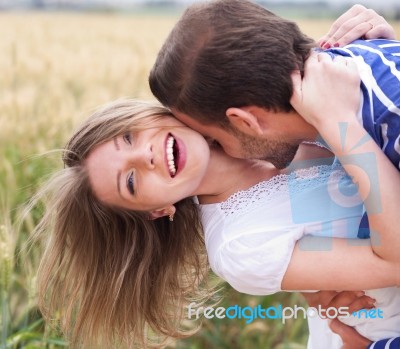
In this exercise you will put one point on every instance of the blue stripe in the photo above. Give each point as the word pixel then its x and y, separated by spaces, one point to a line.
pixel 395 344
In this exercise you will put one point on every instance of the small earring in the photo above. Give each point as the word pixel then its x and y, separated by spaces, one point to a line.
pixel 171 217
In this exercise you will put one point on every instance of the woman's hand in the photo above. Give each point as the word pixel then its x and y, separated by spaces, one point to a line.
pixel 328 98
pixel 356 23
pixel 329 91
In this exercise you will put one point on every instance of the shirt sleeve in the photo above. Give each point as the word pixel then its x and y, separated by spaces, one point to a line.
pixel 255 263
pixel 390 343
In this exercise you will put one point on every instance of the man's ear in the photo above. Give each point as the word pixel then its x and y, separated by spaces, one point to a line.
pixel 245 121
pixel 162 212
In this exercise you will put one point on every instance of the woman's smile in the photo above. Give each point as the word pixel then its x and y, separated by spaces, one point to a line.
pixel 151 168
pixel 175 155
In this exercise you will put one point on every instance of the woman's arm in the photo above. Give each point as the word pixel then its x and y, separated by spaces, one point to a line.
pixel 328 98
pixel 355 23
pixel 320 263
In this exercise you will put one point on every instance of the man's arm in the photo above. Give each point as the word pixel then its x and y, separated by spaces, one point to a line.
pixel 356 23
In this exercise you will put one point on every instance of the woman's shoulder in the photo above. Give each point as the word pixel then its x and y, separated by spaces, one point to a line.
pixel 239 202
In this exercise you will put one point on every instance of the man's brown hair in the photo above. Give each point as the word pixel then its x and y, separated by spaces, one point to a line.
pixel 228 53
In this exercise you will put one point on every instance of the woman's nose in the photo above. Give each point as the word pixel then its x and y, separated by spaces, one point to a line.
pixel 143 157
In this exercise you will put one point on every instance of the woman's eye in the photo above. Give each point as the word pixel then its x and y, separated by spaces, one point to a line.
pixel 127 138
pixel 130 184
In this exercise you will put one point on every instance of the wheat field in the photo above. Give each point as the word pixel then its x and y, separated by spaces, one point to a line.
pixel 55 69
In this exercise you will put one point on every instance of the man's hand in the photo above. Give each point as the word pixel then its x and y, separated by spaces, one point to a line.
pixel 329 91
pixel 350 337
pixel 355 301
pixel 354 24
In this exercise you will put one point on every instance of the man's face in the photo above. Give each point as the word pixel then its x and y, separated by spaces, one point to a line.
pixel 240 145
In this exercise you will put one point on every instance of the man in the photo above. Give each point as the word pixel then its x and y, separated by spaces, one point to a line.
pixel 226 71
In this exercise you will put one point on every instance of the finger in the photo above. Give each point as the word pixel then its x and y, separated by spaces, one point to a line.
pixel 344 63
pixel 338 327
pixel 351 65
pixel 349 32
pixel 340 60
pixel 363 302
pixel 353 300
pixel 354 11
pixel 383 30
pixel 359 22
pixel 345 299
pixel 297 93
pixel 350 28
pixel 324 57
pixel 348 15
pixel 310 63
pixel 351 338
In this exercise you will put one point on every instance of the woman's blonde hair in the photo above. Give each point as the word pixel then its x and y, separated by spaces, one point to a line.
pixel 117 278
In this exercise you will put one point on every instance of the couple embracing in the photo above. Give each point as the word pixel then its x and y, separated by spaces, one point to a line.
pixel 273 162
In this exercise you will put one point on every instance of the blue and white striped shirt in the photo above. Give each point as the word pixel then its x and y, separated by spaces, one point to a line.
pixel 390 343
pixel 379 65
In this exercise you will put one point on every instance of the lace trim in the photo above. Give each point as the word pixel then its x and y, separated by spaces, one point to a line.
pixel 317 143
pixel 262 192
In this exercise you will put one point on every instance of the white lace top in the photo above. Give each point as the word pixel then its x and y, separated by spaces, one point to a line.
pixel 250 237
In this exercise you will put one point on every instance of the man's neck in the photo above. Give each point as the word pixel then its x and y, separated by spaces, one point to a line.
pixel 296 130
pixel 288 127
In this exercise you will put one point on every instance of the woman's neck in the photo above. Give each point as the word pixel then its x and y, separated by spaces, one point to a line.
pixel 226 175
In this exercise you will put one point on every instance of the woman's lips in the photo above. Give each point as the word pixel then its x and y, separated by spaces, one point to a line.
pixel 175 155
pixel 181 155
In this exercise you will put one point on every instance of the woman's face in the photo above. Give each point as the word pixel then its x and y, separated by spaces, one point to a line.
pixel 149 169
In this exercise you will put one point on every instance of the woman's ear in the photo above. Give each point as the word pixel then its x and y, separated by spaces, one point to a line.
pixel 245 121
pixel 162 212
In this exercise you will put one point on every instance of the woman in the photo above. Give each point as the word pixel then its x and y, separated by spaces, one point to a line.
pixel 96 247
pixel 127 238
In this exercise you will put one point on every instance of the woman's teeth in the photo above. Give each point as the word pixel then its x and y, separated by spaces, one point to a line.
pixel 170 155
